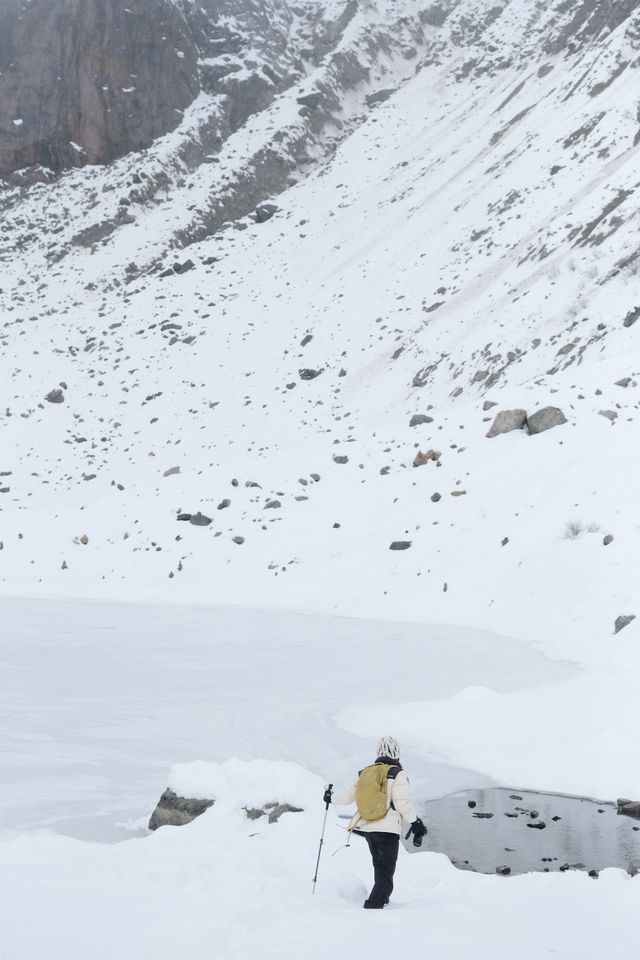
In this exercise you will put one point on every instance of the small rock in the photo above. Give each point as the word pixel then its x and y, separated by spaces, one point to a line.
pixel 634 868
pixel 272 505
pixel 171 471
pixel 504 541
pixel 306 340
pixel 419 418
pixel 422 458
pixel 507 420
pixel 400 545
pixel 458 493
pixel 483 816
pixel 539 825
pixel 435 497
pixel 608 539
pixel 631 317
pixel 199 520
pixel 623 621
pixel 55 396
pixel 84 539
pixel 341 459
pixel 238 540
pixel 315 476
pixel 488 404
pixel 307 374
pixel 224 504
pixel 503 871
pixel 609 414
pixel 384 471
pixel 624 382
pixel 183 516
pixel 545 419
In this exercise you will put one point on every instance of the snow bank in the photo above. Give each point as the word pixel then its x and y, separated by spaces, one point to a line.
pixel 237 783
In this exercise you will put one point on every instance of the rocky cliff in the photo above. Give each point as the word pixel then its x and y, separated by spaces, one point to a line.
pixel 86 81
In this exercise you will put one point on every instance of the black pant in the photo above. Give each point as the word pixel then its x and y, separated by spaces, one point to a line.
pixel 384 853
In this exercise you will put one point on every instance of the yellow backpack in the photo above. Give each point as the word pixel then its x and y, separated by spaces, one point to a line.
pixel 371 792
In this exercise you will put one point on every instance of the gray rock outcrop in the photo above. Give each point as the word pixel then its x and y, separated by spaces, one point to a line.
pixel 86 81
pixel 545 419
pixel 507 420
pixel 176 811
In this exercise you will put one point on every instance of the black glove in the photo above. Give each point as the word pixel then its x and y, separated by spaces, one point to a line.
pixel 327 795
pixel 418 830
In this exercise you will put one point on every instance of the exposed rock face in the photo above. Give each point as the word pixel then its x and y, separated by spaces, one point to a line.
pixel 86 81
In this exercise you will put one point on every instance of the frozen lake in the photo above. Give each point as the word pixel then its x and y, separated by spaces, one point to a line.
pixel 98 700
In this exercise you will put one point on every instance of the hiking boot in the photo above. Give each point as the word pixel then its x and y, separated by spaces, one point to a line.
pixel 368 905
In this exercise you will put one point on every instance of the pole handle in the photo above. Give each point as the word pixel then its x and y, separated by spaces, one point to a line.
pixel 328 802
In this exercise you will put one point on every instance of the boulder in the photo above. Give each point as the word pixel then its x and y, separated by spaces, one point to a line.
pixel 173 810
pixel 507 420
pixel 545 419
pixel 55 396
pixel 630 808
pixel 419 418
pixel 199 520
pixel 264 212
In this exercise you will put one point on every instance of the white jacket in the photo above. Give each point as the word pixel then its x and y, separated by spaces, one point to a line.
pixel 398 793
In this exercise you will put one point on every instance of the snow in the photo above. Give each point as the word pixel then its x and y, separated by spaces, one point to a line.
pixel 138 652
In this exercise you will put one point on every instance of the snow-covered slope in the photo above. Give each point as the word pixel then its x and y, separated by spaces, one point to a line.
pixel 473 239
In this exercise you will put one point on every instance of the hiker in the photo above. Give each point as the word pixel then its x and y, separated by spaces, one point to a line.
pixel 383 825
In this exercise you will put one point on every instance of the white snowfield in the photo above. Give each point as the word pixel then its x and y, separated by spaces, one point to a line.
pixel 472 242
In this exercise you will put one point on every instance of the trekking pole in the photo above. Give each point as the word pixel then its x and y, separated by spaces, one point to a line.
pixel 324 823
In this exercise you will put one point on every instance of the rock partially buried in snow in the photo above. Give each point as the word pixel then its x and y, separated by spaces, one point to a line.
pixel 173 810
pixel 171 472
pixel 273 811
pixel 630 808
pixel 200 520
pixel 507 420
pixel 623 621
pixel 400 545
pixel 55 396
pixel 419 418
pixel 264 212
pixel 545 419
pixel 422 458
